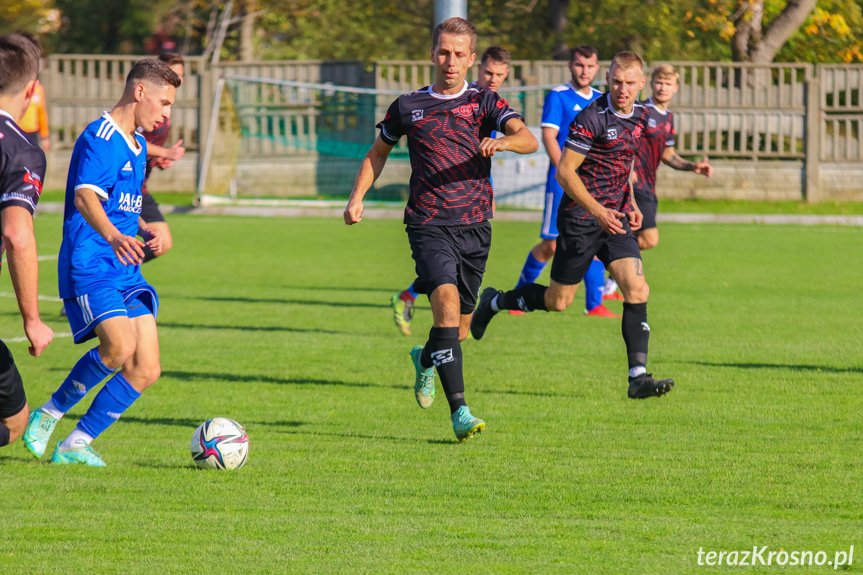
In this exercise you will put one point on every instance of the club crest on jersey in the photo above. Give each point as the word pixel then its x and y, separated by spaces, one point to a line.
pixel 651 123
pixel 466 110
pixel 636 133
pixel 416 115
pixel 612 134
pixel 131 204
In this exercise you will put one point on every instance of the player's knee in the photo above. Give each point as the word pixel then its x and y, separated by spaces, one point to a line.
pixel 167 243
pixel 117 352
pixel 547 249
pixel 557 302
pixel 463 332
pixel 647 242
pixel 639 293
pixel 151 373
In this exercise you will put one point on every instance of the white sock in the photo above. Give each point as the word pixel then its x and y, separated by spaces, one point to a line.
pixel 52 410
pixel 493 303
pixel 637 370
pixel 76 439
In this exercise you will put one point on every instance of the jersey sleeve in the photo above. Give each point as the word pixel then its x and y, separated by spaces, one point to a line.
pixel 552 112
pixel 95 166
pixel 583 132
pixel 391 127
pixel 672 132
pixel 21 182
pixel 498 112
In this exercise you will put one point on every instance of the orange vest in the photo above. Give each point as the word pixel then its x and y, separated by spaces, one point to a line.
pixel 35 119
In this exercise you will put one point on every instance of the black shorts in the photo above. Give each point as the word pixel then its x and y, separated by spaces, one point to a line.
pixel 451 255
pixel 580 240
pixel 12 398
pixel 150 210
pixel 647 203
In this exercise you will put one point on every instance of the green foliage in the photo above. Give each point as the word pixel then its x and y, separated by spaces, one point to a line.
pixel 104 26
pixel 33 16
pixel 758 444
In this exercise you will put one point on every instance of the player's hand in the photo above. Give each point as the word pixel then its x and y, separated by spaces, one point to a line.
pixel 128 249
pixel 609 220
pixel 354 212
pixel 703 168
pixel 175 152
pixel 153 238
pixel 39 335
pixel 163 163
pixel 489 146
pixel 636 218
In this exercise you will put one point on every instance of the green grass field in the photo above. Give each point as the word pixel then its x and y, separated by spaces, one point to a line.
pixel 285 326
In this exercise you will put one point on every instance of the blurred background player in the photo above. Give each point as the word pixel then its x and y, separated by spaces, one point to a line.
pixel 22 167
pixel 657 143
pixel 597 219
pixel 159 156
pixel 493 70
pixel 561 107
pixel 448 124
pixel 108 297
pixel 34 122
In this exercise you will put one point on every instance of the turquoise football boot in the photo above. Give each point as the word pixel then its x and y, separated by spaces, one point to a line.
pixel 82 455
pixel 424 389
pixel 465 424
pixel 38 432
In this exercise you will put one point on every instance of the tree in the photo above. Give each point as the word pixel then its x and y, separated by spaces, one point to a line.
pixel 752 43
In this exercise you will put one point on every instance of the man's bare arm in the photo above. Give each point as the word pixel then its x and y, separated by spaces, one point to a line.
pixel 671 159
pixel 126 248
pixel 371 168
pixel 549 141
pixel 572 185
pixel 518 139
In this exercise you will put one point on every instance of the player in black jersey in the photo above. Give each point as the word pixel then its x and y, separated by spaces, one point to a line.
pixel 448 126
pixel 22 168
pixel 657 144
pixel 597 217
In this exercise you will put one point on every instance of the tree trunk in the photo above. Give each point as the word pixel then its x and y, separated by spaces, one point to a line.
pixel 558 21
pixel 751 44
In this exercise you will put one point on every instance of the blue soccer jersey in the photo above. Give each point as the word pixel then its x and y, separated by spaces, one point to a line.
pixel 112 164
pixel 561 107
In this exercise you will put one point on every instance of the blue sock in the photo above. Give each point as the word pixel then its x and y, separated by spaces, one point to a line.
pixel 411 291
pixel 87 374
pixel 531 270
pixel 108 405
pixel 594 279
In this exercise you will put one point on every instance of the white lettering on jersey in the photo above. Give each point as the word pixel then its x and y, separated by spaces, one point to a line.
pixel 129 204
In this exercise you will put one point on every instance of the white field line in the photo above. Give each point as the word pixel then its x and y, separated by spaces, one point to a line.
pixel 41 297
pixel 48 258
pixel 22 338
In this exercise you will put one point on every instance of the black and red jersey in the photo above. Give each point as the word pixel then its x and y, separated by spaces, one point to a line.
pixel 22 168
pixel 449 183
pixel 658 136
pixel 158 136
pixel 608 140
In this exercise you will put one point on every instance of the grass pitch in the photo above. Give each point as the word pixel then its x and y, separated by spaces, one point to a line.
pixel 284 325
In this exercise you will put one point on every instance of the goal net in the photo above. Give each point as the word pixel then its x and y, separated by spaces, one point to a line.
pixel 284 140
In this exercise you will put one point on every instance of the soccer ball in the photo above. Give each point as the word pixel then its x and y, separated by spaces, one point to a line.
pixel 220 443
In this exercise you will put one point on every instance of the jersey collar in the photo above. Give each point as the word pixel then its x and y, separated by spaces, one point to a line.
pixel 7 114
pixel 655 107
pixel 577 91
pixel 434 94
pixel 615 112
pixel 137 149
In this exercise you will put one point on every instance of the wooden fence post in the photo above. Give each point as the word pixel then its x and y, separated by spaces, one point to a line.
pixel 812 163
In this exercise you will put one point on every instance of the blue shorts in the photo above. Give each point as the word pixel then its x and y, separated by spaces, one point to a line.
pixel 85 312
pixel 553 194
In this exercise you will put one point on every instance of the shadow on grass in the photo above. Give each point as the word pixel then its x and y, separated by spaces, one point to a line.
pixel 389 291
pixel 789 366
pixel 372 437
pixel 233 377
pixel 189 422
pixel 281 301
pixel 251 328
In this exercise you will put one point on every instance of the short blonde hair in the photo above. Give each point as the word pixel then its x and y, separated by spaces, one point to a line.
pixel 665 72
pixel 457 27
pixel 627 60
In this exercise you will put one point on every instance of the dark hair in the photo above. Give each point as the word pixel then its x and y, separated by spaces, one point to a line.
pixel 152 70
pixel 627 60
pixel 19 61
pixel 171 58
pixel 497 54
pixel 457 27
pixel 584 51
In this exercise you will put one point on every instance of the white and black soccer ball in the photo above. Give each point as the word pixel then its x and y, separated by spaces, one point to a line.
pixel 220 443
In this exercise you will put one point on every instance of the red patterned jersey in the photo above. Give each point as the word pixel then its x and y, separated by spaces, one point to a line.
pixel 158 136
pixel 449 183
pixel 608 140
pixel 22 169
pixel 658 136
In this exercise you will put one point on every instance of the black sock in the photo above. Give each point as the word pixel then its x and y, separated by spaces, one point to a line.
pixel 636 333
pixel 443 350
pixel 529 297
pixel 4 435
pixel 148 254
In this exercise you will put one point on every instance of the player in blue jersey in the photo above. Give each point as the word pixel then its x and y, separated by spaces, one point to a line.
pixel 448 127
pixel 657 145
pixel 22 168
pixel 597 218
pixel 561 107
pixel 493 71
pixel 99 267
